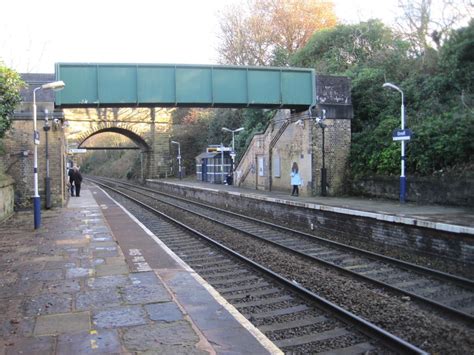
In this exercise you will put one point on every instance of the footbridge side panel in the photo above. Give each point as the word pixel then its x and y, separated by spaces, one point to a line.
pixel 153 85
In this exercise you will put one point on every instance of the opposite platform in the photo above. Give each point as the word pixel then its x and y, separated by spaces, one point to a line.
pixel 430 230
pixel 445 218
pixel 94 280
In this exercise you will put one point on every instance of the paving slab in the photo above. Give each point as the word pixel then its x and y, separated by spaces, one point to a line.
pixel 91 262
pixel 30 346
pixel 48 303
pixel 152 336
pixel 115 260
pixel 145 293
pixel 107 281
pixel 62 323
pixel 108 270
pixel 98 299
pixel 165 312
pixel 120 317
pixel 105 341
pixel 43 275
pixel 65 286
pixel 101 237
pixel 103 244
pixel 72 242
pixel 60 264
pixel 78 272
pixel 180 349
pixel 104 252
pixel 49 259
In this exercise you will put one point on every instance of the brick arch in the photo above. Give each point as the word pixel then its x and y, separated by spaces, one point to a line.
pixel 153 143
pixel 125 130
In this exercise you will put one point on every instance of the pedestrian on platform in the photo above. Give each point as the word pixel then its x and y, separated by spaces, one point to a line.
pixel 295 179
pixel 70 174
pixel 77 178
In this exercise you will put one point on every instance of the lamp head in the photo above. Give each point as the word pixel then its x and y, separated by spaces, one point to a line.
pixel 392 86
pixel 239 129
pixel 55 85
pixel 226 129
pixel 174 142
pixel 46 119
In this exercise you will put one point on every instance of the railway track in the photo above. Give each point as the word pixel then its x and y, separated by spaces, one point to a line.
pixel 294 318
pixel 448 294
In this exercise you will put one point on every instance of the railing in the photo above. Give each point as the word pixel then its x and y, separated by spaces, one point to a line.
pixel 279 133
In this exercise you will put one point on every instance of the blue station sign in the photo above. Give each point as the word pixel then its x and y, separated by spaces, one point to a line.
pixel 402 134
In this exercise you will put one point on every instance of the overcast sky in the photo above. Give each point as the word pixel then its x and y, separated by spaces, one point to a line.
pixel 36 34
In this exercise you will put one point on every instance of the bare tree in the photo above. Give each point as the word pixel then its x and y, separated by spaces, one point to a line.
pixel 427 23
pixel 244 38
pixel 251 33
pixel 295 21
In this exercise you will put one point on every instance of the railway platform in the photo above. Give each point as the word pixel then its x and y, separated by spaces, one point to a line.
pixel 92 279
pixel 449 218
pixel 432 231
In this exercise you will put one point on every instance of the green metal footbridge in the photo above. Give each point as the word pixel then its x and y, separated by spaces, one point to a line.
pixel 166 85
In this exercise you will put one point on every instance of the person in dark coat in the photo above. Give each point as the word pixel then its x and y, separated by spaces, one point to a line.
pixel 70 174
pixel 77 178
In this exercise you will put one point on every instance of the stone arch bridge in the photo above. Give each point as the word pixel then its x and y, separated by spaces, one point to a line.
pixel 148 129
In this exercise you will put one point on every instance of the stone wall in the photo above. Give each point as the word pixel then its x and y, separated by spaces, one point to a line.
pixel 337 145
pixel 334 97
pixel 7 197
pixel 18 158
pixel 438 190
pixel 18 162
pixel 247 174
pixel 158 161
pixel 266 165
pixel 294 145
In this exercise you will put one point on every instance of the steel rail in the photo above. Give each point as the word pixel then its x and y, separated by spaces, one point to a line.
pixel 461 281
pixel 393 342
pixel 422 270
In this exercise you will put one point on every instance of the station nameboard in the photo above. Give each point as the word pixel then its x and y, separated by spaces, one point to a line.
pixel 76 151
pixel 402 134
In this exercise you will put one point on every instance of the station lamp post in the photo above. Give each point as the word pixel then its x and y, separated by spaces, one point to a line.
pixel 320 122
pixel 179 158
pixel 56 86
pixel 402 114
pixel 232 154
pixel 47 179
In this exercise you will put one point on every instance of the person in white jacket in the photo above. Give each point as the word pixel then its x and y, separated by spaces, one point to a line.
pixel 295 179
